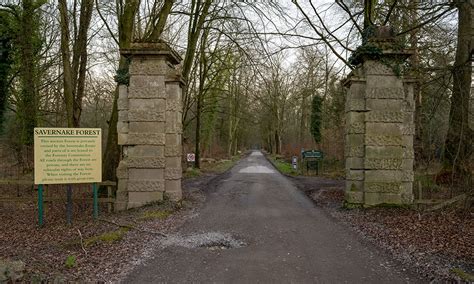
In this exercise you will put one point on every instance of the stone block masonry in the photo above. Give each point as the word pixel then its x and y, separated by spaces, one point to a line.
pixel 149 127
pixel 379 133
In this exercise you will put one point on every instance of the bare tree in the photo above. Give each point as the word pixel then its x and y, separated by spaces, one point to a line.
pixel 75 62
pixel 460 135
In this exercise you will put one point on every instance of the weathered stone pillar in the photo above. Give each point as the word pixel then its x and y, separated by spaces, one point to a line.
pixel 379 127
pixel 149 127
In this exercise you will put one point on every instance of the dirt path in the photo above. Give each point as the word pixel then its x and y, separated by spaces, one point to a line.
pixel 257 227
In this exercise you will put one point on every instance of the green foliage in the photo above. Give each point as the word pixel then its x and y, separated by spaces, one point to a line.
pixel 25 45
pixel 366 50
pixel 224 165
pixel 283 166
pixel 218 166
pixel 6 41
pixel 192 172
pixel 109 237
pixel 158 214
pixel 465 276
pixel 354 188
pixel 371 51
pixel 367 33
pixel 316 118
pixel 70 261
pixel 122 77
pixel 349 206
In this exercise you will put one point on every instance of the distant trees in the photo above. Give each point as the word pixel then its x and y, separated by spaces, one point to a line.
pixel 35 84
pixel 252 70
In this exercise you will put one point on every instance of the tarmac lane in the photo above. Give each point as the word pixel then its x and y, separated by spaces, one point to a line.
pixel 257 227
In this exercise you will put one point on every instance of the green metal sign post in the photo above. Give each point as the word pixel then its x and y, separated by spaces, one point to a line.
pixel 69 204
pixel 312 159
pixel 96 204
pixel 40 206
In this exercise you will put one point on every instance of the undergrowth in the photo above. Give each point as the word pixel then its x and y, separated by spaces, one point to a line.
pixel 108 237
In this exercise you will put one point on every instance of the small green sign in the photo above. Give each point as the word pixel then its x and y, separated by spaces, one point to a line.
pixel 313 154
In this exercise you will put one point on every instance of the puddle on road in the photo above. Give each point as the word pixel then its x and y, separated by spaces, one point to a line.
pixel 256 153
pixel 211 241
pixel 256 170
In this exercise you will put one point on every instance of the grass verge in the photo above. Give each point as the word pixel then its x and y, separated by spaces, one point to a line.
pixel 216 166
pixel 283 166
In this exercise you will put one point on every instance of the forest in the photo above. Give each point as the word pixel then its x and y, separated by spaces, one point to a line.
pixel 255 72
pixel 261 81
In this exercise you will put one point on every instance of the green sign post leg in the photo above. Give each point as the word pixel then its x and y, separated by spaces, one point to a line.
pixel 96 204
pixel 40 205
pixel 69 205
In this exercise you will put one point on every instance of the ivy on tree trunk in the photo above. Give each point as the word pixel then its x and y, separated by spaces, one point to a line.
pixel 316 118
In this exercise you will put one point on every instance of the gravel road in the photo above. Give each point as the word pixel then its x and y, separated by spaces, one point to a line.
pixel 255 226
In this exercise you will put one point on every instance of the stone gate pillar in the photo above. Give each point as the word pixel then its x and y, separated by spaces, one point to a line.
pixel 149 126
pixel 379 127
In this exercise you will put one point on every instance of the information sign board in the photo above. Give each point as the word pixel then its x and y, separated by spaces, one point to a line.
pixel 67 155
pixel 313 154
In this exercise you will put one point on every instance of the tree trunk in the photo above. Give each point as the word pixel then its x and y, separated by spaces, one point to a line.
pixel 277 143
pixel 28 102
pixel 369 11
pixel 66 57
pixel 203 70
pixel 197 163
pixel 303 109
pixel 415 63
pixel 230 138
pixel 74 74
pixel 162 18
pixel 459 137
pixel 194 33
pixel 112 150
pixel 80 59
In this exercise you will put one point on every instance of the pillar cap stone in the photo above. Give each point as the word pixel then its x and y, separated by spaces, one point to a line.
pixel 151 49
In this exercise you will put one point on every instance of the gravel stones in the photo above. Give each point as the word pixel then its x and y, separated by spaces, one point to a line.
pixel 212 240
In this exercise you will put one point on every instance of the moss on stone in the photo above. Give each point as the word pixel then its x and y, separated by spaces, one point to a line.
pixel 354 188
